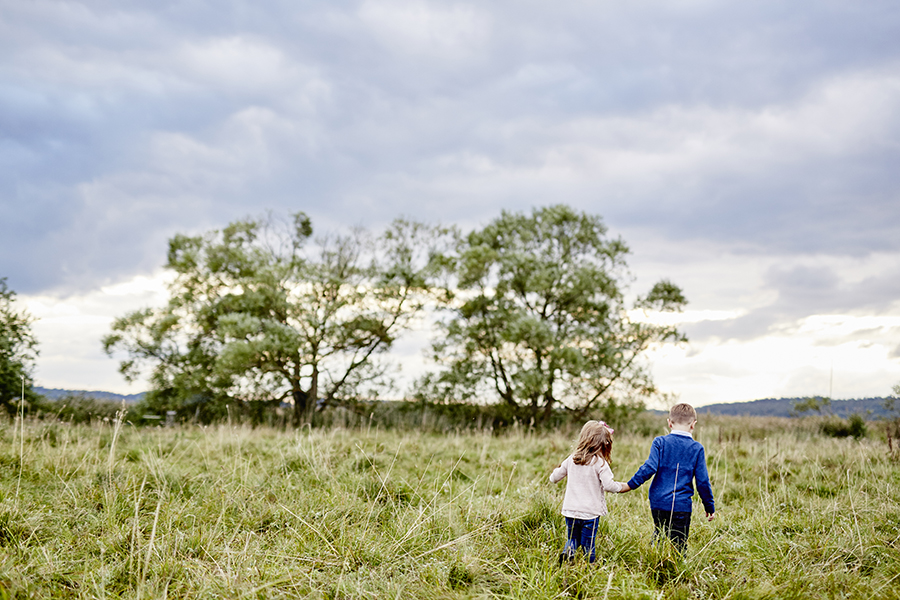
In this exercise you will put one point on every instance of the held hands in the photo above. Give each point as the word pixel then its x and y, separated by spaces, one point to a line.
pixel 624 488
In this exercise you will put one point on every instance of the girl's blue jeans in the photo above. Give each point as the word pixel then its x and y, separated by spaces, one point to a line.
pixel 581 533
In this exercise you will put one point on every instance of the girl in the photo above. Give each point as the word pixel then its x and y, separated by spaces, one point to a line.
pixel 588 475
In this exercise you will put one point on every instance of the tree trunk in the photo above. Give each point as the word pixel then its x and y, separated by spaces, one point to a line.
pixel 314 389
pixel 301 407
pixel 547 412
pixel 305 402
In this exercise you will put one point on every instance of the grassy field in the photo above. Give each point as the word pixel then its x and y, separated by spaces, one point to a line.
pixel 230 512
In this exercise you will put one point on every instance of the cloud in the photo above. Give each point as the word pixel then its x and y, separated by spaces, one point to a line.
pixel 69 331
pixel 234 63
pixel 745 151
pixel 759 126
pixel 420 30
pixel 781 365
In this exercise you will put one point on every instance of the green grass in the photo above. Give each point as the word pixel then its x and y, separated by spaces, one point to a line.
pixel 219 512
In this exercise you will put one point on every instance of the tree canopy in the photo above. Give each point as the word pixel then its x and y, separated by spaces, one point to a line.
pixel 261 312
pixel 535 317
pixel 539 320
pixel 18 351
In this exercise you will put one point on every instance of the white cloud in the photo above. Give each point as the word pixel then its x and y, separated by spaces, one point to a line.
pixel 415 28
pixel 775 366
pixel 769 345
pixel 679 318
pixel 234 62
pixel 840 326
pixel 69 330
pixel 152 288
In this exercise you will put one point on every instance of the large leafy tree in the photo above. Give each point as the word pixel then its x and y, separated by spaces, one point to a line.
pixel 18 351
pixel 539 319
pixel 261 312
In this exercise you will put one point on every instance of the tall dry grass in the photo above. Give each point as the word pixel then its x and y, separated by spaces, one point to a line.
pixel 231 512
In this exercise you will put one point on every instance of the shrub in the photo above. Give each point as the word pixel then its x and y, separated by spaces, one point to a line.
pixel 858 427
pixel 854 427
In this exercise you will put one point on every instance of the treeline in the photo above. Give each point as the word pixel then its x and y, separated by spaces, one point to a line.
pixel 56 394
pixel 531 320
pixel 874 408
pixel 78 408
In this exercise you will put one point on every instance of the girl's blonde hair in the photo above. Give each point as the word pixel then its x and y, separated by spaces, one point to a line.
pixel 595 440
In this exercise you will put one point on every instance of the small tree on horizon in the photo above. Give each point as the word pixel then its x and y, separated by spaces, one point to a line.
pixel 818 404
pixel 892 403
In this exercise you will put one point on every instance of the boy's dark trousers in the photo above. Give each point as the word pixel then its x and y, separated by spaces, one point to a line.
pixel 580 533
pixel 674 524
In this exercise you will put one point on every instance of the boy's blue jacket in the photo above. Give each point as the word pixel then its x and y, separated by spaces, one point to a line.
pixel 670 454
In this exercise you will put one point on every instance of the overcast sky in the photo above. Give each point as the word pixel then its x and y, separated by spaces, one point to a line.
pixel 749 152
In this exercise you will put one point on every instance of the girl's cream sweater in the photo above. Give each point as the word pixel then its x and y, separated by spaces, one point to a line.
pixel 585 498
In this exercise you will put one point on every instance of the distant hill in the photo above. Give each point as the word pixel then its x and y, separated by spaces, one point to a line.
pixel 872 408
pixel 55 394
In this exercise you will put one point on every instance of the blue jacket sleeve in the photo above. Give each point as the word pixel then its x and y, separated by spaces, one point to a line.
pixel 701 475
pixel 648 469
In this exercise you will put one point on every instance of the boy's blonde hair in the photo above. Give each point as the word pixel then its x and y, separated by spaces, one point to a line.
pixel 595 440
pixel 682 414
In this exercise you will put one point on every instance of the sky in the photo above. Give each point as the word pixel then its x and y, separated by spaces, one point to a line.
pixel 748 152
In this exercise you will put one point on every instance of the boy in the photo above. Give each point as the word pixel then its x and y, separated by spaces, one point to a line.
pixel 675 461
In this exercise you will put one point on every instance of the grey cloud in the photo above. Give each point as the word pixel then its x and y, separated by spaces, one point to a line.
pixel 809 286
pixel 123 123
pixel 802 291
pixel 756 324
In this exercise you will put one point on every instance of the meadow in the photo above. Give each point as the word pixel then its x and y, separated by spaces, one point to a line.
pixel 114 511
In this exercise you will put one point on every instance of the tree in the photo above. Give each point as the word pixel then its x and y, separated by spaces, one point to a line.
pixel 260 313
pixel 892 404
pixel 817 404
pixel 18 351
pixel 539 320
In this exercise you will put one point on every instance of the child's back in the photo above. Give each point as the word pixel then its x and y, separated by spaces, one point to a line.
pixel 675 462
pixel 588 478
pixel 585 487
